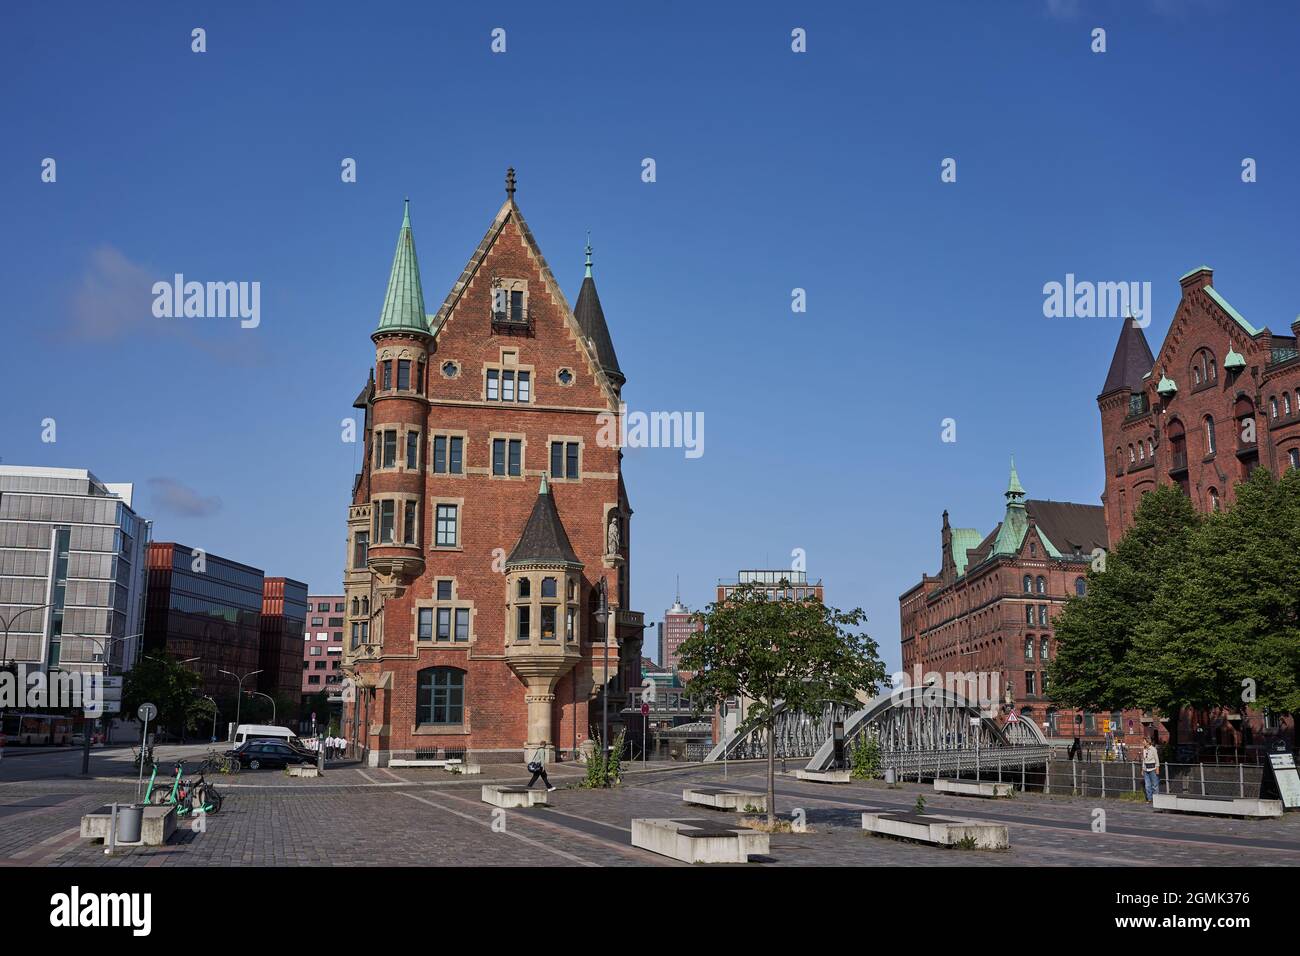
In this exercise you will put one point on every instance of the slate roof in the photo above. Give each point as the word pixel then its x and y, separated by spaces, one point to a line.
pixel 1131 362
pixel 1068 525
pixel 544 540
pixel 591 319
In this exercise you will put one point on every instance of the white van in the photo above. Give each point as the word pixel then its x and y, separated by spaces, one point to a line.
pixel 246 732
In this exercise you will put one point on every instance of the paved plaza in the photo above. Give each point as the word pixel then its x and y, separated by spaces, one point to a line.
pixel 363 816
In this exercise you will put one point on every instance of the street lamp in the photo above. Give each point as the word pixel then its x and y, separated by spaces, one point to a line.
pixel 602 617
pixel 239 696
pixel 255 693
pixel 215 711
pixel 8 623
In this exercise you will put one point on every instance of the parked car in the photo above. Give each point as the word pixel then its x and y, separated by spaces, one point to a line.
pixel 257 754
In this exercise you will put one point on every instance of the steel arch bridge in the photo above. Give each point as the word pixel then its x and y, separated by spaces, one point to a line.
pixel 923 731
pixel 797 734
pixel 932 731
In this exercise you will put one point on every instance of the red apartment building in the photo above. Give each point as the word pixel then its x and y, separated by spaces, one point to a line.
pixel 322 653
pixel 490 516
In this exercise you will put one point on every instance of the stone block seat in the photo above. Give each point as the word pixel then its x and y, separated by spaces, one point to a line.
pixel 500 795
pixel 1218 806
pixel 725 798
pixel 157 828
pixel 974 788
pixel 936 830
pixel 698 841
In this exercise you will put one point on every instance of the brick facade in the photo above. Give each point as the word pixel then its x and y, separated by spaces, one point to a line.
pixel 449 601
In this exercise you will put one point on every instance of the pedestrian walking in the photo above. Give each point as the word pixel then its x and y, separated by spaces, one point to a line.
pixel 538 769
pixel 1150 770
pixel 343 746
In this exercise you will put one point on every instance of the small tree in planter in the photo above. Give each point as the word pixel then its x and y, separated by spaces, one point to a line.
pixel 866 757
pixel 800 653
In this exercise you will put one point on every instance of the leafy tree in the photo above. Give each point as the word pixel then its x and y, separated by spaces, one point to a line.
pixel 801 653
pixel 1227 625
pixel 1094 667
pixel 171 687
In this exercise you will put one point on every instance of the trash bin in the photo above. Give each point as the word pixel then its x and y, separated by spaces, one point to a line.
pixel 890 776
pixel 130 821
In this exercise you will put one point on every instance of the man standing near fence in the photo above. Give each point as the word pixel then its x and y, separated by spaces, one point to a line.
pixel 1150 770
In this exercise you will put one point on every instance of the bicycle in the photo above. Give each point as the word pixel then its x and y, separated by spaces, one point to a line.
pixel 219 763
pixel 188 796
pixel 139 755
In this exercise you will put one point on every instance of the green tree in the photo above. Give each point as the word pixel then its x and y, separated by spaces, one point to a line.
pixel 800 653
pixel 1226 627
pixel 171 687
pixel 1093 668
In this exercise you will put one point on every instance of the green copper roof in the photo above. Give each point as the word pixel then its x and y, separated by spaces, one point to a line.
pixel 404 301
pixel 1013 486
pixel 1234 359
pixel 1015 523
pixel 1223 304
pixel 1166 386
pixel 963 540
pixel 1194 271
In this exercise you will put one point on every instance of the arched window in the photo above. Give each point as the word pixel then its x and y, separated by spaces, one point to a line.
pixel 1029 614
pixel 1214 500
pixel 1131 457
pixel 1151 449
pixel 1043 651
pixel 1209 434
pixel 1080 586
pixel 1286 403
pixel 440 696
pixel 1042 585
pixel 1272 407
pixel 1029 584
pixel 1042 615
pixel 525 588
pixel 1029 647
pixel 1142 452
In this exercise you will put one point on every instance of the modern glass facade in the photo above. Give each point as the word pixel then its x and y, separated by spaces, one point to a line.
pixel 284 619
pixel 72 570
pixel 205 606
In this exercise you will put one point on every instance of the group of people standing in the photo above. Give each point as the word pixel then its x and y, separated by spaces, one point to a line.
pixel 334 746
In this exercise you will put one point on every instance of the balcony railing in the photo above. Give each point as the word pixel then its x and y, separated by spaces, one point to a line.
pixel 518 322
pixel 1285 354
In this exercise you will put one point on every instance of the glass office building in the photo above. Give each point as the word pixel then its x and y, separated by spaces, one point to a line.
pixel 72 570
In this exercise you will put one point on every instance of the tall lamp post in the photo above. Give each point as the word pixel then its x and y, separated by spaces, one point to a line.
pixel 86 721
pixel 240 694
pixel 602 618
pixel 215 711
pixel 257 693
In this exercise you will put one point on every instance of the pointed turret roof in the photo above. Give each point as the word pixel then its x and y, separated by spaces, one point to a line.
pixel 1015 523
pixel 404 302
pixel 1132 360
pixel 591 319
pixel 544 540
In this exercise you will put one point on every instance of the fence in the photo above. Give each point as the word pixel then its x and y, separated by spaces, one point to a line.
pixel 1112 778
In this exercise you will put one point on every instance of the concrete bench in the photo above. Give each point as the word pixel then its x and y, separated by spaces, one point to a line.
pixel 823 776
pixel 510 797
pixel 409 762
pixel 698 841
pixel 157 828
pixel 723 798
pixel 1218 806
pixel 303 770
pixel 974 788
pixel 937 830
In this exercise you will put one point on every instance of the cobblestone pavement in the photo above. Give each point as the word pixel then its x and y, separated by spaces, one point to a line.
pixel 362 816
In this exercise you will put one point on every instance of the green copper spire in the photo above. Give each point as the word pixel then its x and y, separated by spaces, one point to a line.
pixel 1014 488
pixel 404 302
pixel 588 274
pixel 1233 360
pixel 1015 524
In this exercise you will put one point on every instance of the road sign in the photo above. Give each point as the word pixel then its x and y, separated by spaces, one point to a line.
pixel 110 706
pixel 645 709
pixel 110 683
pixel 147 712
pixel 1013 718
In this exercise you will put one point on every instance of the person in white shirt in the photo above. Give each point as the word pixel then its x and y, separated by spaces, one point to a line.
pixel 1150 770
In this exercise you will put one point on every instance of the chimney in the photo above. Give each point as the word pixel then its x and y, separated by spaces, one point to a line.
pixel 1197 279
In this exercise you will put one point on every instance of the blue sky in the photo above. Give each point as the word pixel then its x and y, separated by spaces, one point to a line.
pixel 775 170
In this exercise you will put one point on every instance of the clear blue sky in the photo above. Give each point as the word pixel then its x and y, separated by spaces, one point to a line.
pixel 775 171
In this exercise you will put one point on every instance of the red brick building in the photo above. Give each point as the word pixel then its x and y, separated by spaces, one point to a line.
pixel 989 611
pixel 488 514
pixel 1218 400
